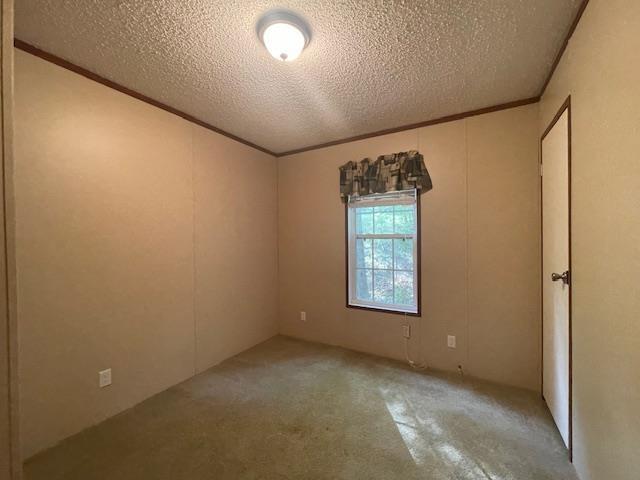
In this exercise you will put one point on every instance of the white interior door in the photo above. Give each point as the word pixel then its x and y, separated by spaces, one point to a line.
pixel 556 285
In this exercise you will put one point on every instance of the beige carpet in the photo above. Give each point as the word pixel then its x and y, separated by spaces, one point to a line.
pixel 288 409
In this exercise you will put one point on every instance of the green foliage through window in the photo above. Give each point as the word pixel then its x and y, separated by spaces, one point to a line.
pixel 384 244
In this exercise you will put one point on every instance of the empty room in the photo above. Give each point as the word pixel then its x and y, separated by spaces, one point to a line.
pixel 313 239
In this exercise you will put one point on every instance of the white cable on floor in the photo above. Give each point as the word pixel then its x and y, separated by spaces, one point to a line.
pixel 417 366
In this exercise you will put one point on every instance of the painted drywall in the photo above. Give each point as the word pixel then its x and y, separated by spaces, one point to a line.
pixel 480 248
pixel 125 260
pixel 235 246
pixel 600 71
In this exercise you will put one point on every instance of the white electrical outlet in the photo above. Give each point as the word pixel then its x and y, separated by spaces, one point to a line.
pixel 406 331
pixel 451 341
pixel 303 316
pixel 104 378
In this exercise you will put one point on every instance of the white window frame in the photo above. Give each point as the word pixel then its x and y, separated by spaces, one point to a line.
pixel 396 198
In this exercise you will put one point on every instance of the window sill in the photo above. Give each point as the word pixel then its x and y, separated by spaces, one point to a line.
pixel 384 310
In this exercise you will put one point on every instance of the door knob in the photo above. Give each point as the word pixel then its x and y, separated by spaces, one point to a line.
pixel 561 276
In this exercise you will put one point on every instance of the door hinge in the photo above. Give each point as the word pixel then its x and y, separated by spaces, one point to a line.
pixel 564 276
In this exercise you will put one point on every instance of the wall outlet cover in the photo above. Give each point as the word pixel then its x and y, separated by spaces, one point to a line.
pixel 303 316
pixel 104 378
pixel 451 341
pixel 406 331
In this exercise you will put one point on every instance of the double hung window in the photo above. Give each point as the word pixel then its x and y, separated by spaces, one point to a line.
pixel 383 252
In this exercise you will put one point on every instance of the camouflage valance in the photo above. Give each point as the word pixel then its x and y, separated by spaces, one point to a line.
pixel 389 173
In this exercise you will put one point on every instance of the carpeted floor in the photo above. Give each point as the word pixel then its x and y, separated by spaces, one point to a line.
pixel 288 409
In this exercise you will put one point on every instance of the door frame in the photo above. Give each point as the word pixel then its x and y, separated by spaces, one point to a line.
pixel 566 106
pixel 10 455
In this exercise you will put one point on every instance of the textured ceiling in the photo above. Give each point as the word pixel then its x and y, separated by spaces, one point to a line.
pixel 371 65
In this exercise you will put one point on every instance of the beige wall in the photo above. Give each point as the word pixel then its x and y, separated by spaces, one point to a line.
pixel 136 250
pixel 235 245
pixel 480 248
pixel 600 70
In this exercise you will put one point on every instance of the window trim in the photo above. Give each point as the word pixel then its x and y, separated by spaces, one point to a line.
pixel 348 304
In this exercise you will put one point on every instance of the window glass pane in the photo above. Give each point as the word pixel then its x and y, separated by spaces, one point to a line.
pixel 383 286
pixel 364 253
pixel 364 220
pixel 403 288
pixel 383 253
pixel 404 219
pixel 383 219
pixel 364 285
pixel 403 251
pixel 383 273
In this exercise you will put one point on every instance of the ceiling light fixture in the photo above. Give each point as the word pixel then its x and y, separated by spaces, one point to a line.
pixel 284 35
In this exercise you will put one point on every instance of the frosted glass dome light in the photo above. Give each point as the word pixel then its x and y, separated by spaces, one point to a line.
pixel 284 35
